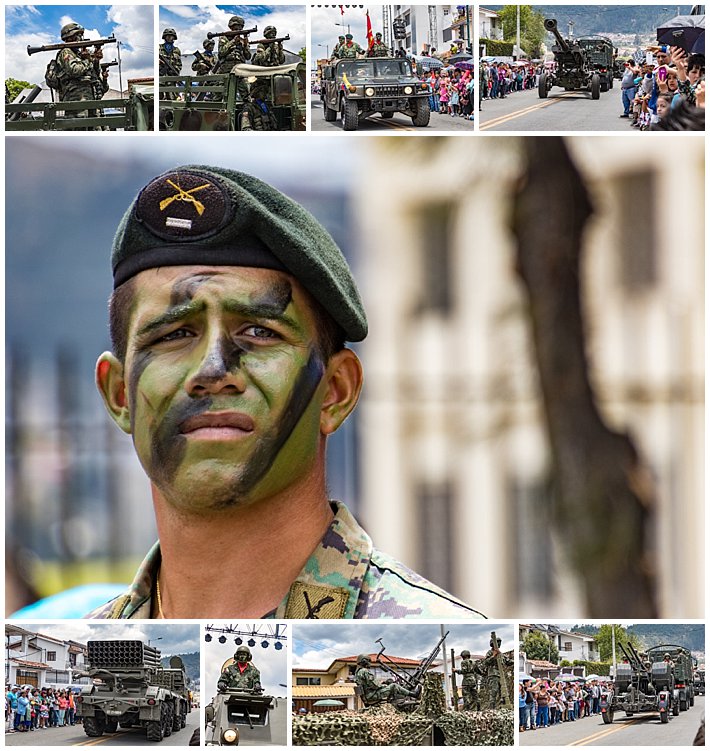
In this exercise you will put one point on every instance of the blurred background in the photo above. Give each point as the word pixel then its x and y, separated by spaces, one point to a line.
pixel 445 462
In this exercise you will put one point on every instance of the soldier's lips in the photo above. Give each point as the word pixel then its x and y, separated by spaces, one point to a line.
pixel 217 426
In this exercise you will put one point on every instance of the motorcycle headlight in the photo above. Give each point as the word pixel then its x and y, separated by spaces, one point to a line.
pixel 408 90
pixel 369 91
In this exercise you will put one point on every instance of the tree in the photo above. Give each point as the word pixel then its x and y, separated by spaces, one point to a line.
pixel 13 87
pixel 603 640
pixel 537 646
pixel 302 53
pixel 532 27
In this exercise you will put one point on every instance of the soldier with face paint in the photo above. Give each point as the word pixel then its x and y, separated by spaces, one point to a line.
pixel 229 370
pixel 241 675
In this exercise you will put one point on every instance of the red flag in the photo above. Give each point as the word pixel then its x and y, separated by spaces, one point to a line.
pixel 370 38
pixel 342 10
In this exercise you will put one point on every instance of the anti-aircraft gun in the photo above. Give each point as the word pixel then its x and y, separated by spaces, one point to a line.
pixel 573 69
pixel 677 671
pixel 639 686
pixel 130 688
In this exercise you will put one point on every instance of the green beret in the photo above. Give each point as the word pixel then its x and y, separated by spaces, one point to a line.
pixel 199 215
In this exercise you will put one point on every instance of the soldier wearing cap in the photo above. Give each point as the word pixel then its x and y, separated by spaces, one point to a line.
pixel 350 49
pixel 341 42
pixel 229 370
pixel 379 48
pixel 241 675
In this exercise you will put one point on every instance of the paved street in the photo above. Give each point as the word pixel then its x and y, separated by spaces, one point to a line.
pixel 74 735
pixel 643 730
pixel 399 122
pixel 561 110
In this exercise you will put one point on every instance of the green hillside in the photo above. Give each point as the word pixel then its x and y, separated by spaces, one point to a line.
pixel 192 664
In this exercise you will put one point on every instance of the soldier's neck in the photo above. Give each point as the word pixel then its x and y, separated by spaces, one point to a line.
pixel 239 564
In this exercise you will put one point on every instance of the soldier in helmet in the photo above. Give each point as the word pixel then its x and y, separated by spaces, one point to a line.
pixel 77 69
pixel 169 57
pixel 350 49
pixel 269 55
pixel 203 65
pixel 469 685
pixel 372 691
pixel 379 48
pixel 233 50
pixel 493 677
pixel 241 674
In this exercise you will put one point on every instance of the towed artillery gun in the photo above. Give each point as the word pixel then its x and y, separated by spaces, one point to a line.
pixel 130 688
pixel 574 70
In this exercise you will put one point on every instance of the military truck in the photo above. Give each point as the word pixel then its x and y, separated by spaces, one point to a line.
pixel 680 676
pixel 574 71
pixel 699 682
pixel 213 103
pixel 357 89
pixel 234 712
pixel 639 687
pixel 601 55
pixel 130 688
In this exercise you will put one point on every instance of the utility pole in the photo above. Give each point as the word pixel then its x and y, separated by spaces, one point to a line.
pixel 517 31
pixel 613 648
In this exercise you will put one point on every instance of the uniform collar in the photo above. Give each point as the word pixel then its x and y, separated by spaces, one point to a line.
pixel 328 586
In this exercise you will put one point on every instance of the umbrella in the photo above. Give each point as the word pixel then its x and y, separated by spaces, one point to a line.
pixel 459 57
pixel 682 31
pixel 525 677
pixel 465 65
pixel 699 45
pixel 428 63
pixel 328 703
pixel 569 678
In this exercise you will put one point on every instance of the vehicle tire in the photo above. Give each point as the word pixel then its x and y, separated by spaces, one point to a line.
pixel 111 726
pixel 387 115
pixel 676 710
pixel 168 720
pixel 154 730
pixel 683 705
pixel 596 86
pixel 629 714
pixel 183 719
pixel 348 114
pixel 542 86
pixel 177 715
pixel 93 726
pixel 328 114
pixel 423 113
pixel 604 84
pixel 664 716
pixel 608 717
pixel 611 82
pixel 692 701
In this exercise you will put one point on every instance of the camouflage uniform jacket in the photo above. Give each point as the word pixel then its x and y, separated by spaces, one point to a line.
pixel 269 55
pixel 204 65
pixel 352 51
pixel 468 671
pixel 235 679
pixel 345 577
pixel 75 76
pixel 378 50
pixel 230 52
pixel 367 683
pixel 173 58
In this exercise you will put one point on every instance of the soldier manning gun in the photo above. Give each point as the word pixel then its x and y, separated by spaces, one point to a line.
pixel 639 687
pixel 573 70
pixel 230 34
pixel 130 688
pixel 97 43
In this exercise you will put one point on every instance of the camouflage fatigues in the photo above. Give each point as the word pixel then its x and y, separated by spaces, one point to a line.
pixel 268 56
pixel 204 66
pixel 469 684
pixel 493 678
pixel 232 51
pixel 172 58
pixel 76 75
pixel 349 51
pixel 345 577
pixel 257 115
pixel 378 49
pixel 373 692
pixel 233 678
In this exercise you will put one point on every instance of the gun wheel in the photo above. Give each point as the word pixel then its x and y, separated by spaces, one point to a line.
pixel 93 727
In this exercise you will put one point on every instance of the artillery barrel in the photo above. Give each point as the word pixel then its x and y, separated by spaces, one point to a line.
pixel 551 25
pixel 122 653
pixel 72 45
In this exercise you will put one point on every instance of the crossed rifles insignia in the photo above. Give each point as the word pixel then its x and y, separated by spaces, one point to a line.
pixel 184 195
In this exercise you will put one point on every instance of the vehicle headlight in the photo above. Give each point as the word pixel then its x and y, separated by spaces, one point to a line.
pixel 230 735
pixel 369 91
pixel 408 90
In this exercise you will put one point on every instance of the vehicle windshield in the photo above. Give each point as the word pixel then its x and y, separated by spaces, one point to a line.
pixel 355 69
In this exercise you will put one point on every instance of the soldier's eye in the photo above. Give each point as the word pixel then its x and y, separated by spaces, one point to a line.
pixel 173 335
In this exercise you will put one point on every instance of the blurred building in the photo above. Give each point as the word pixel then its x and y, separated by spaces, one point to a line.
pixel 454 455
pixel 430 26
pixel 489 24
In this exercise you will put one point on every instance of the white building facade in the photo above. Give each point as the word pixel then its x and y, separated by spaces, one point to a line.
pixel 432 26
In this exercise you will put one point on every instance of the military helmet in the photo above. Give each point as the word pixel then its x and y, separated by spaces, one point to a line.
pixel 363 659
pixel 667 656
pixel 270 31
pixel 465 654
pixel 243 650
pixel 208 42
pixel 69 30
pixel 236 21
pixel 169 32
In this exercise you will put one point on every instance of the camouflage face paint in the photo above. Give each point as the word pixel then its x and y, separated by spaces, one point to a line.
pixel 185 356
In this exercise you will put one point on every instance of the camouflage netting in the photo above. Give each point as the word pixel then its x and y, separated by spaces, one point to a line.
pixel 433 702
pixel 331 729
pixel 492 727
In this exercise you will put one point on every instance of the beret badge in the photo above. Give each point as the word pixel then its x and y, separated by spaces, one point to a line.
pixel 184 205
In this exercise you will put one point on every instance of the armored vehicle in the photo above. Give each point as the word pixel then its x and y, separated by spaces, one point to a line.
pixel 574 70
pixel 130 688
pixel 359 88
pixel 212 102
pixel 601 55
pixel 699 682
pixel 234 712
pixel 681 670
pixel 639 687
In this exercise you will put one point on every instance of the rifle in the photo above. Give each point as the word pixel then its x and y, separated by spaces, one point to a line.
pixel 230 34
pixel 501 670
pixel 72 45
pixel 454 687
pixel 417 677
pixel 212 67
pixel 104 66
pixel 275 39
pixel 168 66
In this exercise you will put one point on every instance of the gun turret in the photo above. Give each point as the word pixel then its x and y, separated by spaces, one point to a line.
pixel 72 45
pixel 551 25
pixel 231 33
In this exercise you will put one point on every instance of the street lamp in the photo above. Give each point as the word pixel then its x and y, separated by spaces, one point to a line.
pixel 344 25
pixel 326 48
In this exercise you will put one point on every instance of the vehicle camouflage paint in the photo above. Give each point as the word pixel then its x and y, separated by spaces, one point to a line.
pixel 359 88
pixel 130 688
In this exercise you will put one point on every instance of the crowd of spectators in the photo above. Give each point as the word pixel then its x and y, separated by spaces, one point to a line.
pixel 499 79
pixel 666 94
pixel 544 703
pixel 452 92
pixel 28 709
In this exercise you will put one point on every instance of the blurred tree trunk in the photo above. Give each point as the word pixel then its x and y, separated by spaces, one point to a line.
pixel 605 496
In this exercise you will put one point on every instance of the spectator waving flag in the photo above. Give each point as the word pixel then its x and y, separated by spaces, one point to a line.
pixel 370 38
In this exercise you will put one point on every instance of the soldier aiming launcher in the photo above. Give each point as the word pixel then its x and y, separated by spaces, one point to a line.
pixel 72 45
pixel 230 34
pixel 275 39
pixel 415 679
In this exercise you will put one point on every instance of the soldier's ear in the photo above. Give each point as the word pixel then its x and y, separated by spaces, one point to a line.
pixel 343 377
pixel 112 387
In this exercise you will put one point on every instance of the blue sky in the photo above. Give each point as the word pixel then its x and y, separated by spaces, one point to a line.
pixel 192 22
pixel 39 25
